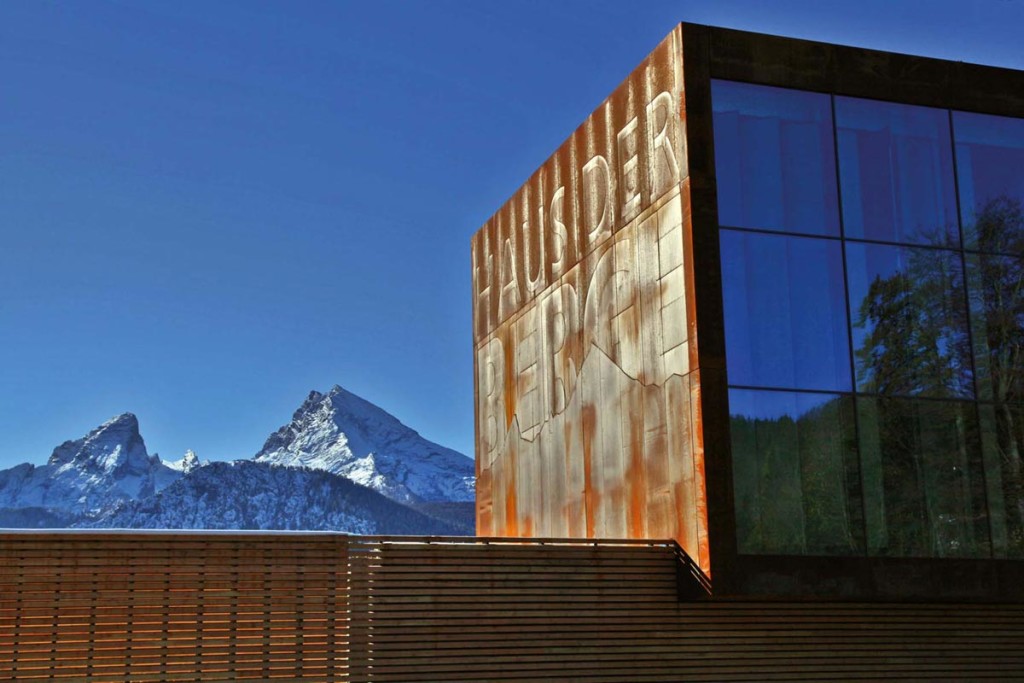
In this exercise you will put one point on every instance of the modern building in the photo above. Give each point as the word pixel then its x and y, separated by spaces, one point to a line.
pixel 768 301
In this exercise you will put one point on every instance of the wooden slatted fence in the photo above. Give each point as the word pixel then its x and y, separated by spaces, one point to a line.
pixel 209 606
pixel 543 611
pixel 173 607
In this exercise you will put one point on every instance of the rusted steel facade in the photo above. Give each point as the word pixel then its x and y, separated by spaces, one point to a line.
pixel 601 390
pixel 587 385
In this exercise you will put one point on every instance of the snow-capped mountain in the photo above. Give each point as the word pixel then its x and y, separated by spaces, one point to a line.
pixel 187 463
pixel 342 433
pixel 91 475
pixel 249 495
pixel 342 464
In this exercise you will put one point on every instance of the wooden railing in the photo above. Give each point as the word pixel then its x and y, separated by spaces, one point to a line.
pixel 143 606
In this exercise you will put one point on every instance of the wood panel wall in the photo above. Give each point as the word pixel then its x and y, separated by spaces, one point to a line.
pixel 135 607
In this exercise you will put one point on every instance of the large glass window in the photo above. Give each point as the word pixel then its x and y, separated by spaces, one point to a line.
pixel 909 316
pixel 990 170
pixel 896 172
pixel 775 159
pixel 795 473
pixel 924 489
pixel 785 314
pixel 909 441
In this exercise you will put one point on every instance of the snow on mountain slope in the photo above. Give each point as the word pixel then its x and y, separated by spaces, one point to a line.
pixel 249 495
pixel 307 476
pixel 91 475
pixel 342 433
pixel 187 463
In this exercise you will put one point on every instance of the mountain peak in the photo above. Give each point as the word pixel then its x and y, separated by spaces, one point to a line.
pixel 113 443
pixel 345 434
pixel 127 420
pixel 105 467
pixel 186 463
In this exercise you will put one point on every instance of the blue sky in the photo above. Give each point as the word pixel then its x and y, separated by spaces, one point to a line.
pixel 209 208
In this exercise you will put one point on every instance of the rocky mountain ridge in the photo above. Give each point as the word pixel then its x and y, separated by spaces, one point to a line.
pixel 89 476
pixel 341 433
pixel 342 463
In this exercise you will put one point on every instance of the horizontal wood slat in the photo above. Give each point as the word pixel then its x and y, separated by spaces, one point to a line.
pixel 551 613
pixel 173 607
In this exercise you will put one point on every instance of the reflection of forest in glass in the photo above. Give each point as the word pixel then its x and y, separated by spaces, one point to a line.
pixel 916 340
pixel 923 481
pixel 795 473
pixel 923 458
pixel 996 293
pixel 923 464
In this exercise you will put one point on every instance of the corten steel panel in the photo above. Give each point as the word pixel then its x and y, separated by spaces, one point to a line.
pixel 587 389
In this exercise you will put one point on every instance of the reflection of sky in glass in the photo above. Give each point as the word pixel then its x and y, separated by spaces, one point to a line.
pixel 990 164
pixel 990 170
pixel 775 159
pixel 772 405
pixel 785 313
pixel 896 172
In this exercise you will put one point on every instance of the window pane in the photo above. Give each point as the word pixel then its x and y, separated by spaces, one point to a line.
pixel 1002 433
pixel 795 473
pixel 908 309
pixel 996 288
pixel 785 314
pixel 896 172
pixel 990 170
pixel 924 490
pixel 774 159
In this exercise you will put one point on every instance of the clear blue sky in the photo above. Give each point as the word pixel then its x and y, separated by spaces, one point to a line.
pixel 209 208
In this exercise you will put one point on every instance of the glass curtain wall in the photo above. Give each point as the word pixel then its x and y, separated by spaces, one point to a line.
pixel 873 288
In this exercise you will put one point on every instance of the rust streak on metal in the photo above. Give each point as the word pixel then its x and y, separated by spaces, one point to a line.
pixel 588 468
pixel 637 481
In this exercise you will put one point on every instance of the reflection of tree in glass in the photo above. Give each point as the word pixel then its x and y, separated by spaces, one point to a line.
pixel 997 293
pixel 917 344
pixel 792 490
pixel 1005 438
pixel 997 302
pixel 923 486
